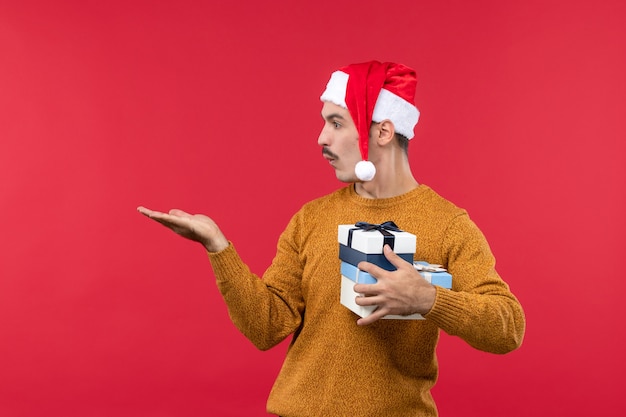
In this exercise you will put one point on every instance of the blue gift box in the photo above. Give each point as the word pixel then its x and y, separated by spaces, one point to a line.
pixel 356 275
pixel 351 275
pixel 433 274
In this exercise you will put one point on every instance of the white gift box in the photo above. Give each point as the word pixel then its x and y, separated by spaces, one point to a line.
pixel 372 241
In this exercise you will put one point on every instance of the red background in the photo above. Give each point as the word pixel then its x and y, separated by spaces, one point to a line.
pixel 213 107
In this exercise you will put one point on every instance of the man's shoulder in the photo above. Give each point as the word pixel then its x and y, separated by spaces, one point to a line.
pixel 438 204
pixel 322 214
pixel 327 200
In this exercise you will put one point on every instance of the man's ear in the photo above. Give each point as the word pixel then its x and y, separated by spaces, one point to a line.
pixel 386 132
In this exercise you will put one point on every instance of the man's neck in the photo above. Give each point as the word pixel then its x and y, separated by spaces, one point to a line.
pixel 387 186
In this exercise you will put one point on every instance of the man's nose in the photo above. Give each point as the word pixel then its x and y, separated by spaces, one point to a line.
pixel 323 138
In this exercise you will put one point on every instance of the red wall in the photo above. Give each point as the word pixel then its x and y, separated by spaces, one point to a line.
pixel 213 107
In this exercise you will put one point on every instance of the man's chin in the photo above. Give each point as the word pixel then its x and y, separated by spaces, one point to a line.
pixel 345 178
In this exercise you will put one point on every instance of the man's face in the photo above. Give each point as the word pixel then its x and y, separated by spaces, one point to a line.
pixel 339 140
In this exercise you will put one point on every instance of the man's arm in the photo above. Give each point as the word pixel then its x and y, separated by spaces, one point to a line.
pixel 480 308
pixel 264 314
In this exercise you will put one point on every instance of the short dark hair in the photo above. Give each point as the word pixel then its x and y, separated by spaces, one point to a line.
pixel 403 141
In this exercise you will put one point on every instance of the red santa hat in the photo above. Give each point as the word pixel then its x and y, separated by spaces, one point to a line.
pixel 373 92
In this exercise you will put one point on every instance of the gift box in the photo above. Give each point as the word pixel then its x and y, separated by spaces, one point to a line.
pixel 351 275
pixel 353 257
pixel 364 242
pixel 370 238
pixel 435 274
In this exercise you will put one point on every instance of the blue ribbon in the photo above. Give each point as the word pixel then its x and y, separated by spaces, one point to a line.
pixel 384 228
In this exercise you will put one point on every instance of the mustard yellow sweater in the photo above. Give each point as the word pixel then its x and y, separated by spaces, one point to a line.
pixel 334 367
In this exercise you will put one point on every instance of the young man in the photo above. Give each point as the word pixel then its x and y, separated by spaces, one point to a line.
pixel 337 363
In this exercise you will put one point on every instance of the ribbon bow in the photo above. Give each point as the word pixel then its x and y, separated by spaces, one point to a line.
pixel 384 228
pixel 426 267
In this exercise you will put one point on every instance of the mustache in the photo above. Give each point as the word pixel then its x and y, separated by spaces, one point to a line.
pixel 326 152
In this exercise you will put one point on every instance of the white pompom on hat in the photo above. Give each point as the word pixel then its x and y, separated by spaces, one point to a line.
pixel 373 92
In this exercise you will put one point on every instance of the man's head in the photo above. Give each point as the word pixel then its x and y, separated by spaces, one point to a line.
pixel 374 92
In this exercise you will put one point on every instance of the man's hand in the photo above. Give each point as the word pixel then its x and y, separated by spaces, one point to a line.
pixel 196 227
pixel 403 291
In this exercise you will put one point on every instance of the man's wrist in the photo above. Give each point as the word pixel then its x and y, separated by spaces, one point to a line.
pixel 430 295
pixel 215 246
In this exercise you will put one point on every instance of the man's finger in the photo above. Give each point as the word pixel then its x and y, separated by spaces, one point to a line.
pixel 179 213
pixel 165 219
pixel 367 300
pixel 145 211
pixel 375 316
pixel 366 289
pixel 393 257
pixel 372 269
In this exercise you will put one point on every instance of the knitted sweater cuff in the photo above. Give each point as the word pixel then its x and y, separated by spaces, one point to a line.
pixel 226 263
pixel 447 309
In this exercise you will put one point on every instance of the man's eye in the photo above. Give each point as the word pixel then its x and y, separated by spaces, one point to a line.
pixel 336 125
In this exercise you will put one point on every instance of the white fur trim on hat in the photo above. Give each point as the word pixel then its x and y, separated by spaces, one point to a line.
pixel 402 114
pixel 336 89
